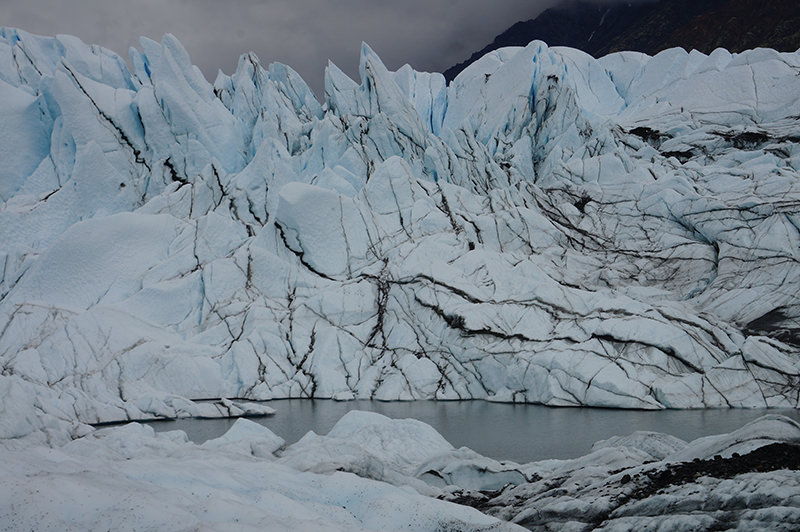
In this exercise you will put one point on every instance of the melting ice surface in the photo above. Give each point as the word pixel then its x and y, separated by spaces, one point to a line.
pixel 521 433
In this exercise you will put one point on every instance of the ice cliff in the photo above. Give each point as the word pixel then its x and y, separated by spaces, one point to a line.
pixel 549 228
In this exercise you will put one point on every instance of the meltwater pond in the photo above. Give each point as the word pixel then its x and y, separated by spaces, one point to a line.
pixel 522 433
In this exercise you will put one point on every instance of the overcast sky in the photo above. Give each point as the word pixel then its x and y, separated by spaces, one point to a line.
pixel 430 35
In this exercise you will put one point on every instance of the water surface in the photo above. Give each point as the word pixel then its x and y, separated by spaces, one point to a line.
pixel 522 433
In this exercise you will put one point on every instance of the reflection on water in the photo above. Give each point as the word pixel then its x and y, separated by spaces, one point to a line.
pixel 521 433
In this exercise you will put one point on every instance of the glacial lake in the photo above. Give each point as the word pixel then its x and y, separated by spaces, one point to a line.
pixel 522 433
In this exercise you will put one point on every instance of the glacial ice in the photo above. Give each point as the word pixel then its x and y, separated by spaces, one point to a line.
pixel 374 473
pixel 745 480
pixel 129 477
pixel 549 228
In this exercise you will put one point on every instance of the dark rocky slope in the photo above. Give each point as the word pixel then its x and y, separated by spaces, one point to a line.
pixel 703 25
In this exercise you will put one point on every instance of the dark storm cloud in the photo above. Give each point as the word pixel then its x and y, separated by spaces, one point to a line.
pixel 305 34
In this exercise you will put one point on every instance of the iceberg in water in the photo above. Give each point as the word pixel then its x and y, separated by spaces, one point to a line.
pixel 549 228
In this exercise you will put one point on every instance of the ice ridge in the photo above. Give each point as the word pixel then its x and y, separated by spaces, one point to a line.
pixel 548 228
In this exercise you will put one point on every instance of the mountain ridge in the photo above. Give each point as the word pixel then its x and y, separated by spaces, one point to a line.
pixel 651 27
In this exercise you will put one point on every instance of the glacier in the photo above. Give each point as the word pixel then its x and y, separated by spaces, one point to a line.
pixel 548 228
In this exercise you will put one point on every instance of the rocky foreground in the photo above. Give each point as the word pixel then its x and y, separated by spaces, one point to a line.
pixel 734 482
pixel 374 473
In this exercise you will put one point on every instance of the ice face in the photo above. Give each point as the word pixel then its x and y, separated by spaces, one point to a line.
pixel 548 228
